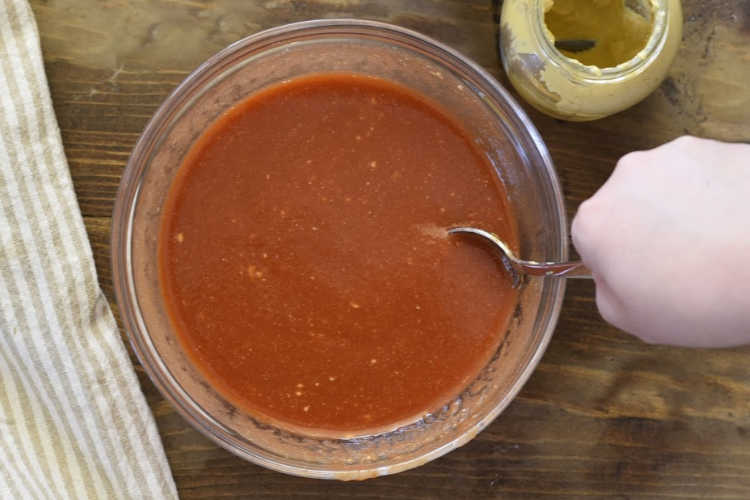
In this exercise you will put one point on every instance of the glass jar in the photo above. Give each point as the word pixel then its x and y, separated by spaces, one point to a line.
pixel 565 88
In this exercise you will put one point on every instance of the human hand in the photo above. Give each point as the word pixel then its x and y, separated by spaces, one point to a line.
pixel 667 238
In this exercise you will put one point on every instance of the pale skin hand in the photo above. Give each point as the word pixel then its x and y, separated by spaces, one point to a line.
pixel 668 240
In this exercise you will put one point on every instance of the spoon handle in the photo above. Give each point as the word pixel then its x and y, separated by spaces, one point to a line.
pixel 575 45
pixel 574 269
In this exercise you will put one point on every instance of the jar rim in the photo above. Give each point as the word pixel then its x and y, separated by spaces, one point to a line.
pixel 594 73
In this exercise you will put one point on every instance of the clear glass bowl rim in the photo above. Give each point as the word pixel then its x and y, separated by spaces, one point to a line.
pixel 127 195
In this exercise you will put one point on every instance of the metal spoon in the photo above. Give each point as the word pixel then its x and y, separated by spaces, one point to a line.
pixel 517 267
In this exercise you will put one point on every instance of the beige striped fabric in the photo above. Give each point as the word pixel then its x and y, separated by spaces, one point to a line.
pixel 73 422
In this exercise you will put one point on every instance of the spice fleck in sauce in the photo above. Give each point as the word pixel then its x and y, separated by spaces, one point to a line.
pixel 304 259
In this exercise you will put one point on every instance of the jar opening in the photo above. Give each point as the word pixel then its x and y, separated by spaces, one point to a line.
pixel 609 37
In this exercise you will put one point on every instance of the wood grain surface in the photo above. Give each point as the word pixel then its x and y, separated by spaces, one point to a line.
pixel 604 415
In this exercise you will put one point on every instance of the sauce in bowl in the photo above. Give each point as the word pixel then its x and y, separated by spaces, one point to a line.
pixel 304 261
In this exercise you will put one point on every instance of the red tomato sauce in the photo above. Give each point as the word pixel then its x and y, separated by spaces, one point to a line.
pixel 304 263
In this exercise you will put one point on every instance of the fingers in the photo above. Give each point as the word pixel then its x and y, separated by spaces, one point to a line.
pixel 584 232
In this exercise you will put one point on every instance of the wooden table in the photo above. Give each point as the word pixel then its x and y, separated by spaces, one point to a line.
pixel 604 415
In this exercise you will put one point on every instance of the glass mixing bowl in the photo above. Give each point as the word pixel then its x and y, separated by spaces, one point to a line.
pixel 465 90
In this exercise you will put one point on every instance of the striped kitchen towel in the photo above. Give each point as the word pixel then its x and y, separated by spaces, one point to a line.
pixel 73 422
